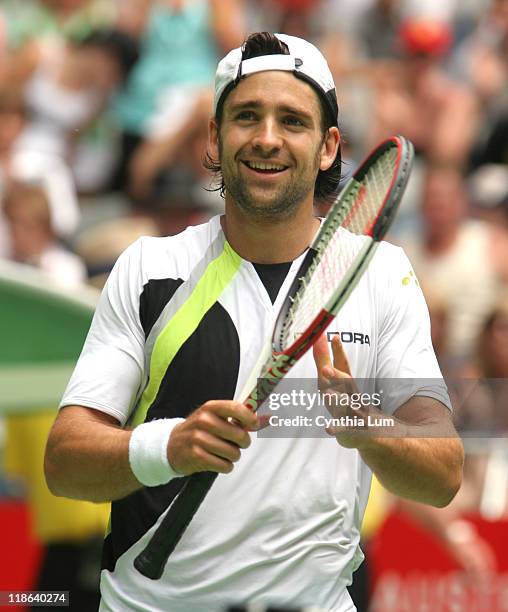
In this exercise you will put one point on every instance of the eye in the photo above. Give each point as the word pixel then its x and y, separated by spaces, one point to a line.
pixel 293 120
pixel 246 115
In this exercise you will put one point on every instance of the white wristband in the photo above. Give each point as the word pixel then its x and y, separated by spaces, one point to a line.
pixel 148 452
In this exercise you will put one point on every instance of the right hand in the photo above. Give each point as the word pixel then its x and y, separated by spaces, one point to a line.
pixel 211 438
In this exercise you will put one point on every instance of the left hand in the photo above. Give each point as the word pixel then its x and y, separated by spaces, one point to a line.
pixel 335 378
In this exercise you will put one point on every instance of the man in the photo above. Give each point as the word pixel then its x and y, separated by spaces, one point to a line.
pixel 450 250
pixel 180 326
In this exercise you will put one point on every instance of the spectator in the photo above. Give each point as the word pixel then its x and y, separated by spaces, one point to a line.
pixel 492 355
pixel 439 326
pixel 481 59
pixel 452 257
pixel 42 23
pixel 179 202
pixel 32 236
pixel 70 531
pixel 177 145
pixel 11 122
pixel 493 342
pixel 488 185
pixel 160 168
pixel 378 29
pixel 101 245
pixel 64 94
pixel 180 47
pixel 422 102
pixel 491 365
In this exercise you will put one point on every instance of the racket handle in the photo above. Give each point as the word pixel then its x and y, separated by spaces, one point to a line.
pixel 151 561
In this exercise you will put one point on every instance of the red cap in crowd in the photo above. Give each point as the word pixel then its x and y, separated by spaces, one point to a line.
pixel 423 36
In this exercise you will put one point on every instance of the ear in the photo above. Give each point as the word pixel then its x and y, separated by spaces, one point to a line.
pixel 213 138
pixel 329 148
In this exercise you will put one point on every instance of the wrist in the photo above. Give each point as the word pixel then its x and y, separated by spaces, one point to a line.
pixel 148 455
pixel 361 431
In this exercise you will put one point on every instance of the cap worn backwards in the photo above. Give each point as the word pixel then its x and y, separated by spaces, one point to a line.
pixel 304 60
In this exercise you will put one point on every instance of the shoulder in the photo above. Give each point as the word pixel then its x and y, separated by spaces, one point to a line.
pixel 392 267
pixel 391 253
pixel 395 286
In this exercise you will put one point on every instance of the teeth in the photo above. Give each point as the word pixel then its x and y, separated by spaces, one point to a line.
pixel 262 166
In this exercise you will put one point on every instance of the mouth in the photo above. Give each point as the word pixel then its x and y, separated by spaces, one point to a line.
pixel 265 167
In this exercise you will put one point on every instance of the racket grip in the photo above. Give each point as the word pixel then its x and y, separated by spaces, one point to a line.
pixel 151 561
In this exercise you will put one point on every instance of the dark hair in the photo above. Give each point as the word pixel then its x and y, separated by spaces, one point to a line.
pixel 265 43
pixel 120 45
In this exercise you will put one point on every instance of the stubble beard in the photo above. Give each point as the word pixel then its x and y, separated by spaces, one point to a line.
pixel 283 203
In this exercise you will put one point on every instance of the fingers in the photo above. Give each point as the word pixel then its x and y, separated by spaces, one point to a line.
pixel 322 358
pixel 211 438
pixel 203 461
pixel 229 430
pixel 330 374
pixel 327 370
pixel 340 361
pixel 214 446
pixel 230 410
pixel 334 378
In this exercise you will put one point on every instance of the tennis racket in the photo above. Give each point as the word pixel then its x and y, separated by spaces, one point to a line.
pixel 332 267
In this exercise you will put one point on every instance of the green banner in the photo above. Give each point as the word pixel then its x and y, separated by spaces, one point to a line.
pixel 42 330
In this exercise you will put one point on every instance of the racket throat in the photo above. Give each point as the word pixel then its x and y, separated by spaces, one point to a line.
pixel 279 366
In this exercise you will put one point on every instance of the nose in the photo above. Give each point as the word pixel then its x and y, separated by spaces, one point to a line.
pixel 267 137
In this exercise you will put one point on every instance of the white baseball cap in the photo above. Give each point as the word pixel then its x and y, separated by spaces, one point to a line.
pixel 304 60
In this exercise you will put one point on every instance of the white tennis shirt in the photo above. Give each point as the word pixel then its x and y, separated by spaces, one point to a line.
pixel 283 527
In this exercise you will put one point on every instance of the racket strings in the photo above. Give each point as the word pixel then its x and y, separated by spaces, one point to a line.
pixel 377 183
pixel 342 241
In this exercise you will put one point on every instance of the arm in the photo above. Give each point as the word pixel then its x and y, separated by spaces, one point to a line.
pixel 154 154
pixel 420 457
pixel 411 450
pixel 87 454
pixel 227 23
pixel 132 16
pixel 18 66
pixel 455 128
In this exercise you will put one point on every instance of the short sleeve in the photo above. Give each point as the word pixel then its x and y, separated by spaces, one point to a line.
pixel 406 362
pixel 110 368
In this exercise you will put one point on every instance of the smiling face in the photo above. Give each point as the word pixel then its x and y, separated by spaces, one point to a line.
pixel 271 145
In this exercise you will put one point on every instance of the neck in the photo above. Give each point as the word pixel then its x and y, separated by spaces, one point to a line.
pixel 269 240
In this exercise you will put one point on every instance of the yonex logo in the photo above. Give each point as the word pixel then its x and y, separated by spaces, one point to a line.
pixel 410 278
pixel 347 337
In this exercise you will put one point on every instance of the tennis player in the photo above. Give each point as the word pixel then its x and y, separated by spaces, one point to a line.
pixel 178 329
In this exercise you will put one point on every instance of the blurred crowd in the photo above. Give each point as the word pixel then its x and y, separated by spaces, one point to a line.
pixel 104 107
pixel 103 119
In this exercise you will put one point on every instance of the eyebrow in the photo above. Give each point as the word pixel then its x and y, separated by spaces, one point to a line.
pixel 285 108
